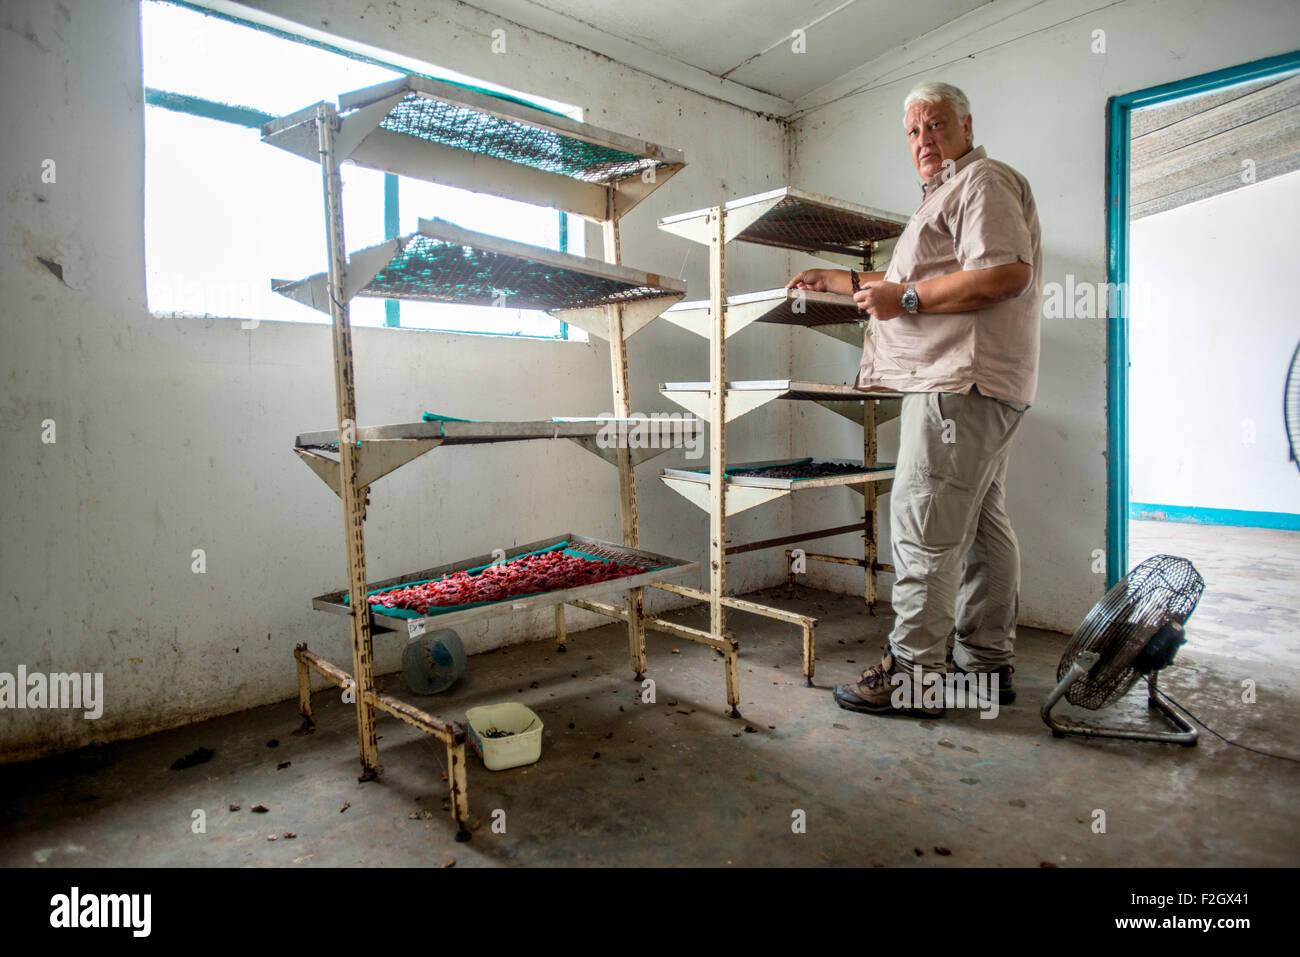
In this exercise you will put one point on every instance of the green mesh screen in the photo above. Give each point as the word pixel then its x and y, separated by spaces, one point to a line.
pixel 799 470
pixel 747 469
pixel 439 271
pixel 467 129
pixel 796 223
pixel 814 313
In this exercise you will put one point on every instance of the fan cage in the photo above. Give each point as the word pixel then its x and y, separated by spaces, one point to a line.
pixel 1162 589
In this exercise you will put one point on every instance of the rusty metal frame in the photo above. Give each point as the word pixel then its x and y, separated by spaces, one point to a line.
pixel 634 599
pixel 791 539
pixel 352 489
pixel 383 449
pixel 352 493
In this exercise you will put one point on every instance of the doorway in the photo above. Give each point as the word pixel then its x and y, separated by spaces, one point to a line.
pixel 1204 106
pixel 1204 186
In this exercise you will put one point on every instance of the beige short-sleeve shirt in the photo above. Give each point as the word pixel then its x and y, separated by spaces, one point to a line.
pixel 982 215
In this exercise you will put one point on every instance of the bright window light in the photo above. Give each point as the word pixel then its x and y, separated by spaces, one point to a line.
pixel 225 213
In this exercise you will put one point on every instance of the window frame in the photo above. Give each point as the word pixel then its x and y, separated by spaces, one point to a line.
pixel 252 118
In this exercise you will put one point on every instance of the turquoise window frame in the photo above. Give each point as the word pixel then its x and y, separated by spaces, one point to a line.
pixel 1119 111
pixel 249 117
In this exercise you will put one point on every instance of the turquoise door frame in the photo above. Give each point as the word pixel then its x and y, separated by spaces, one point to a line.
pixel 1119 111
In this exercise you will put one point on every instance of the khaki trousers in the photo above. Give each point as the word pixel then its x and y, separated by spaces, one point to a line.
pixel 955 554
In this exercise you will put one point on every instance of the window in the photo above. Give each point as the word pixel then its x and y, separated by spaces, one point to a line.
pixel 225 213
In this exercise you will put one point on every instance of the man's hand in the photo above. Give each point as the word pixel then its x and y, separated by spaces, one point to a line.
pixel 962 291
pixel 883 300
pixel 831 280
pixel 815 280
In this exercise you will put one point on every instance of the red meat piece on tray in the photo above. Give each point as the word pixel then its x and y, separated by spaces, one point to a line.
pixel 526 575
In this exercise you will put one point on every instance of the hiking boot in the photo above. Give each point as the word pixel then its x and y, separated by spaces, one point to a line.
pixel 878 689
pixel 1006 690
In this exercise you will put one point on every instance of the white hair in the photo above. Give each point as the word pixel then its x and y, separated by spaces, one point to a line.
pixel 938 93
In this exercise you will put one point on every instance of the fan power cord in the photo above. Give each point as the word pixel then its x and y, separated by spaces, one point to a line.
pixel 1235 744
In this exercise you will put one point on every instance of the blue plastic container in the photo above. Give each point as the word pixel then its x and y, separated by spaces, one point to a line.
pixel 433 662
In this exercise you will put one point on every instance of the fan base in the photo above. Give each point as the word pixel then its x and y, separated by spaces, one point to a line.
pixel 1185 735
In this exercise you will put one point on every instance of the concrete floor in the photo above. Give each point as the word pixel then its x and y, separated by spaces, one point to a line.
pixel 678 783
pixel 1251 605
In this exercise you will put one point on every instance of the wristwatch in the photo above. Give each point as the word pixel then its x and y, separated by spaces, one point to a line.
pixel 910 302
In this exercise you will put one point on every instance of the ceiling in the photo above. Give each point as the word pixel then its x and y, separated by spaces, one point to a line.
pixel 739 50
pixel 1196 148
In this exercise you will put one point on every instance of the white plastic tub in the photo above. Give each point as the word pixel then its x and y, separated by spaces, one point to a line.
pixel 522 746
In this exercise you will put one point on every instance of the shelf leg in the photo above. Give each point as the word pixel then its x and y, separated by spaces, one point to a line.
pixel 636 631
pixel 732 661
pixel 353 495
pixel 871 518
pixel 634 598
pixel 304 692
pixel 809 654
pixel 459 787
pixel 561 636
pixel 718 452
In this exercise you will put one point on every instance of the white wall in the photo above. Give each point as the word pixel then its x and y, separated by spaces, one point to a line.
pixel 1210 354
pixel 1038 96
pixel 176 434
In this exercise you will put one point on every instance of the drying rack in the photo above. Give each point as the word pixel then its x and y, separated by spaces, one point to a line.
pixel 488 143
pixel 844 233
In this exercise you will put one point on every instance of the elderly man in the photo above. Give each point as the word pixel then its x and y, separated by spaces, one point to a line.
pixel 957 331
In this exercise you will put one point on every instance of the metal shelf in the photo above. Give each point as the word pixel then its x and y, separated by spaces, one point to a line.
pixel 831 313
pixel 791 218
pixel 463 432
pixel 383 448
pixel 661 568
pixel 450 134
pixel 846 233
pixel 744 397
pixel 745 491
pixel 447 133
pixel 443 262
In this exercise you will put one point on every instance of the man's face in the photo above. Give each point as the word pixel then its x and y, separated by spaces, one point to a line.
pixel 934 135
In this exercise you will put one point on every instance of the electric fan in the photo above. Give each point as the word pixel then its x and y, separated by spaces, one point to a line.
pixel 1133 632
pixel 1291 407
